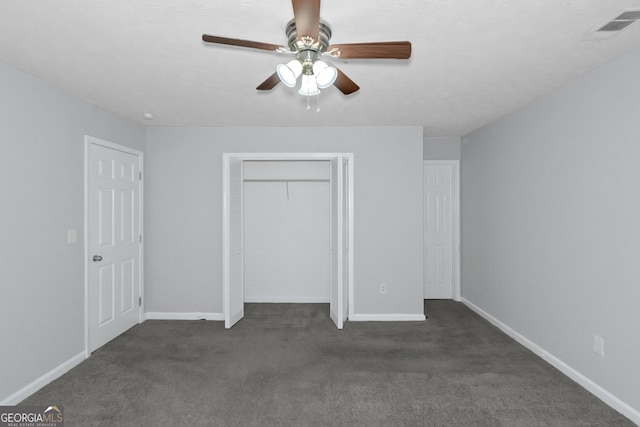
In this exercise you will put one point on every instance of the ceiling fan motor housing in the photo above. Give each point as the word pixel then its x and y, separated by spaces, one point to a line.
pixel 307 50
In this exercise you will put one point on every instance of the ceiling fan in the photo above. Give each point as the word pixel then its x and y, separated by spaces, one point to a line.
pixel 308 39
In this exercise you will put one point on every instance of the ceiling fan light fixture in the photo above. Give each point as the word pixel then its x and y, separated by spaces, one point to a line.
pixel 308 38
pixel 309 86
pixel 288 74
pixel 325 74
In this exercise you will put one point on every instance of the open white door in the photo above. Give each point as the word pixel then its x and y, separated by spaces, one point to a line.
pixel 233 269
pixel 337 289
pixel 344 244
pixel 113 240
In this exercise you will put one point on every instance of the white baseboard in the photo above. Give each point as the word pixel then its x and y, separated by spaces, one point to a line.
pixel 386 317
pixel 595 389
pixel 182 316
pixel 286 300
pixel 36 385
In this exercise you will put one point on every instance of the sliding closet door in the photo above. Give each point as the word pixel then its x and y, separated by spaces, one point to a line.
pixel 233 281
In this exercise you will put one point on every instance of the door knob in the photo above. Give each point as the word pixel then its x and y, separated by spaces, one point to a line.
pixel 97 258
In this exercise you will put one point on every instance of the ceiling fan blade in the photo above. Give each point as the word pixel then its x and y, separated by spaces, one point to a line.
pixel 307 16
pixel 240 42
pixel 345 84
pixel 270 83
pixel 375 50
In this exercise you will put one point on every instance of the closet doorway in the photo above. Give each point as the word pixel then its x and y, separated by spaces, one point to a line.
pixel 252 178
pixel 286 231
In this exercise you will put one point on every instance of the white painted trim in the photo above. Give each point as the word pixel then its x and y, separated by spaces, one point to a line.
pixel 287 300
pixel 50 376
pixel 350 291
pixel 387 317
pixel 285 156
pixel 155 315
pixel 86 245
pixel 455 212
pixel 288 156
pixel 112 145
pixel 335 320
pixel 595 389
pixel 88 140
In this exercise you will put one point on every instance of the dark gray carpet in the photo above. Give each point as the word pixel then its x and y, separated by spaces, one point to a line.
pixel 287 365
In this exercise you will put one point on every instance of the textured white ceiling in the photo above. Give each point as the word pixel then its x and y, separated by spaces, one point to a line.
pixel 473 60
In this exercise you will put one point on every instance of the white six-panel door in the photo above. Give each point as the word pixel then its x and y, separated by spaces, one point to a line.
pixel 439 230
pixel 113 242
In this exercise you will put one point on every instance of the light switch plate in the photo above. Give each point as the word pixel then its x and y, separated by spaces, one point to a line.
pixel 72 236
pixel 598 345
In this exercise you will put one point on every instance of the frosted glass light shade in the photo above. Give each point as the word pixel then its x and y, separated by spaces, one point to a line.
pixel 309 86
pixel 288 74
pixel 325 74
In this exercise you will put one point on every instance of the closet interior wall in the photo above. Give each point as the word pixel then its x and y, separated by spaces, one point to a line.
pixel 286 231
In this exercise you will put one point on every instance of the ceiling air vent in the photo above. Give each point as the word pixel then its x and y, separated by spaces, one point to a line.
pixel 611 28
pixel 622 21
pixel 616 25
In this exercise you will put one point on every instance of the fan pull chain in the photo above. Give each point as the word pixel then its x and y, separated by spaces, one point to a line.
pixel 308 106
pixel 318 108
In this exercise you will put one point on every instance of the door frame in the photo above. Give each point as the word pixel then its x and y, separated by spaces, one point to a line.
pixel 455 217
pixel 283 157
pixel 88 141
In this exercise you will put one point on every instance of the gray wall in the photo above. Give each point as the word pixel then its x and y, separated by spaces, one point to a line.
pixel 441 148
pixel 42 191
pixel 184 228
pixel 551 224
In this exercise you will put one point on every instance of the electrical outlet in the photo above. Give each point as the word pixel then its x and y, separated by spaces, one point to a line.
pixel 598 345
pixel 383 288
